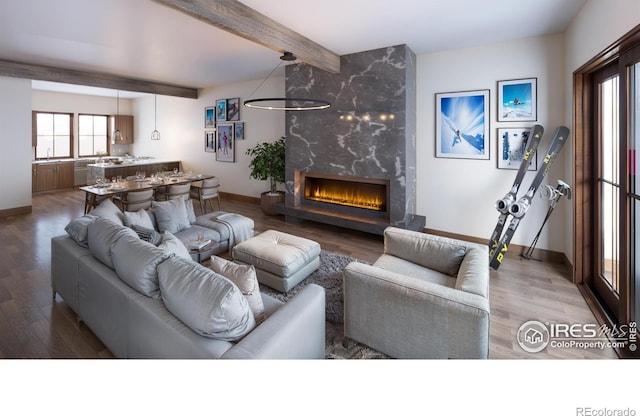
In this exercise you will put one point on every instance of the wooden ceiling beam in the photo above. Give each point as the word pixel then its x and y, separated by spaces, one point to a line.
pixel 241 20
pixel 94 79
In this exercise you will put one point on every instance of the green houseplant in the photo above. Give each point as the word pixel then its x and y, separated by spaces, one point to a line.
pixel 267 162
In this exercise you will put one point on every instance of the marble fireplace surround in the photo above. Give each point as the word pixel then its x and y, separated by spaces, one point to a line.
pixel 369 132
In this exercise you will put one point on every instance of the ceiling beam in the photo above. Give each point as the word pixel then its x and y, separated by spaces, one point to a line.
pixel 241 20
pixel 93 79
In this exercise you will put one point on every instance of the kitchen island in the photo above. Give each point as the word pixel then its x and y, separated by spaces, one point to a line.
pixel 129 168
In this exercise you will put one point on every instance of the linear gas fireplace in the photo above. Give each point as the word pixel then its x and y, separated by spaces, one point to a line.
pixel 367 196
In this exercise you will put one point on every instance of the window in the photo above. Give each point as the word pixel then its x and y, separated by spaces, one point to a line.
pixel 54 137
pixel 607 233
pixel 92 137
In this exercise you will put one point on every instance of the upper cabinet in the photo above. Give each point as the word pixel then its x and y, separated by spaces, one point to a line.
pixel 125 125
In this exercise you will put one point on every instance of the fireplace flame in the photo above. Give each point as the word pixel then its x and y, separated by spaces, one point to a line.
pixel 348 198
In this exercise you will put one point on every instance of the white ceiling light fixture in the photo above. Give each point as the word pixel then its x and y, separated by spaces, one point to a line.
pixel 155 134
pixel 117 135
pixel 285 103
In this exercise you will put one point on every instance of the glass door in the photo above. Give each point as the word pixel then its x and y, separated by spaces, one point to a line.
pixel 607 260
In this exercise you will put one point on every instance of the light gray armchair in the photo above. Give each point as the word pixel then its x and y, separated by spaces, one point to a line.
pixel 425 297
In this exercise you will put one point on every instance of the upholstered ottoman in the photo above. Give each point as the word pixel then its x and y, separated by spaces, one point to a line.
pixel 281 260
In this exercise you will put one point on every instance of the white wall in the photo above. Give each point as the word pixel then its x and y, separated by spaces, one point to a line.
pixel 181 125
pixel 15 141
pixel 599 24
pixel 458 195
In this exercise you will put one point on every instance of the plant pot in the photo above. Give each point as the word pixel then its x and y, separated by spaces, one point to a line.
pixel 269 201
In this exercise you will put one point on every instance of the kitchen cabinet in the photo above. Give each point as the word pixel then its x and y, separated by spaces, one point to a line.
pixel 49 176
pixel 125 125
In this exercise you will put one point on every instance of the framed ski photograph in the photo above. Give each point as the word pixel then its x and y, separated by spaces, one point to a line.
pixel 462 124
pixel 225 144
pixel 210 141
pixel 511 147
pixel 517 100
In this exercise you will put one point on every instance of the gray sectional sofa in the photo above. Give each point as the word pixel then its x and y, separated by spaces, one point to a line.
pixel 148 301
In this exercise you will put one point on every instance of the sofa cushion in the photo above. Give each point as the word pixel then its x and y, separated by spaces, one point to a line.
pixel 438 253
pixel 191 212
pixel 78 229
pixel 140 218
pixel 172 244
pixel 243 276
pixel 102 235
pixel 107 209
pixel 206 302
pixel 171 215
pixel 135 261
pixel 147 234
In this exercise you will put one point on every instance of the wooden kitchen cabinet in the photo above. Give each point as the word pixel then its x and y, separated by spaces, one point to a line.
pixel 51 176
pixel 125 125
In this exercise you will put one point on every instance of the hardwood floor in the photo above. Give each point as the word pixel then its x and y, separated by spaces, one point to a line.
pixel 33 325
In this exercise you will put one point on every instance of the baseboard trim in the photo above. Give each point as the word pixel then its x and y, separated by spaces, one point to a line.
pixel 16 211
pixel 514 251
pixel 241 198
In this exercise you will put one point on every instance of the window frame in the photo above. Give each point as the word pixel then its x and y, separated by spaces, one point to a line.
pixel 34 115
pixel 107 140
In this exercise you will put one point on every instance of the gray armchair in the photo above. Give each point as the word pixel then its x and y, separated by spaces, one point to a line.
pixel 425 297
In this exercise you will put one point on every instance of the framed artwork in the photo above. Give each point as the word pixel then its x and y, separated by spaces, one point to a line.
pixel 512 143
pixel 210 141
pixel 225 143
pixel 233 109
pixel 239 130
pixel 517 100
pixel 462 124
pixel 209 117
pixel 221 110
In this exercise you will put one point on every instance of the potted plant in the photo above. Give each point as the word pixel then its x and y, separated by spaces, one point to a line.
pixel 268 163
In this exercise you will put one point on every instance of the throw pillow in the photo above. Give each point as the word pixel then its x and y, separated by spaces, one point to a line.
pixel 102 234
pixel 147 234
pixel 243 276
pixel 140 218
pixel 78 229
pixel 136 264
pixel 171 215
pixel 172 244
pixel 206 302
pixel 191 213
pixel 107 209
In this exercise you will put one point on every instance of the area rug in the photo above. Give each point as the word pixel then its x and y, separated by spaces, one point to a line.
pixel 329 276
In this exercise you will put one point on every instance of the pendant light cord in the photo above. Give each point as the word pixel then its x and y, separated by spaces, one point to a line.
pixel 264 80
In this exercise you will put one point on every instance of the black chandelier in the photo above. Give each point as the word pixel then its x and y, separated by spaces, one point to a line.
pixel 285 103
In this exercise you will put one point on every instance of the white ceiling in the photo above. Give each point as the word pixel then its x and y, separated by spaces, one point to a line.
pixel 145 40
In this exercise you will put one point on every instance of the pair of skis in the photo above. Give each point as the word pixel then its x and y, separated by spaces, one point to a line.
pixel 499 242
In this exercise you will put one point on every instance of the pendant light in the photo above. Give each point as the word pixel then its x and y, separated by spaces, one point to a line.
pixel 155 134
pixel 285 103
pixel 117 135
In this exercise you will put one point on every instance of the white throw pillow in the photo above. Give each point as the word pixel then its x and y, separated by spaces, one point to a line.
pixel 243 276
pixel 140 218
pixel 171 215
pixel 172 244
pixel 107 209
pixel 206 302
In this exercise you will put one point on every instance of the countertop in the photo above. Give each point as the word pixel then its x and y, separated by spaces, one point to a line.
pixel 130 163
pixel 44 161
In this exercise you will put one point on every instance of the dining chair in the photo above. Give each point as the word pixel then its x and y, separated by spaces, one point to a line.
pixel 204 191
pixel 137 200
pixel 178 190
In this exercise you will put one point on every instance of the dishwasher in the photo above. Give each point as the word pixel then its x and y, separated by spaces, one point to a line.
pixel 80 171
